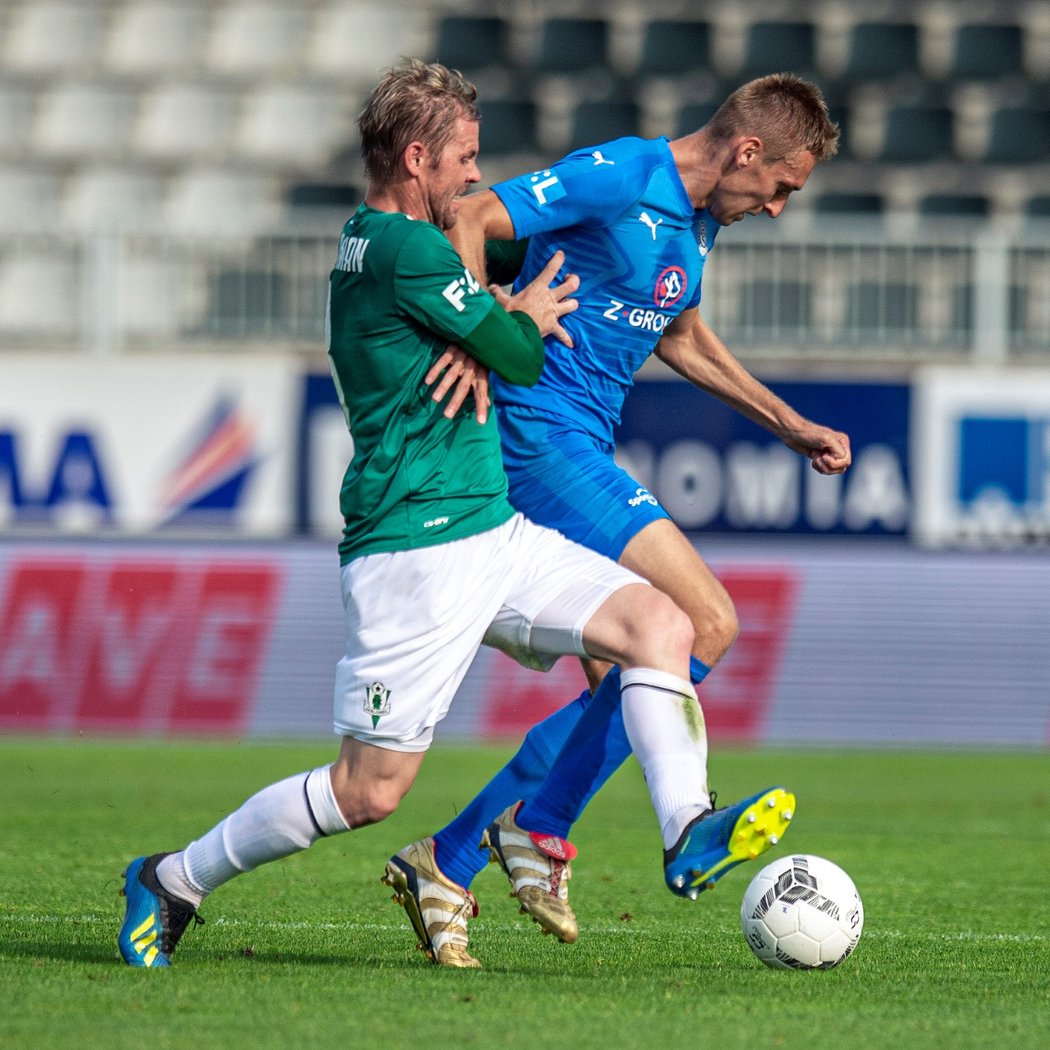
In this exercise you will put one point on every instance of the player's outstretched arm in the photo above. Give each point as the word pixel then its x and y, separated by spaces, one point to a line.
pixel 695 352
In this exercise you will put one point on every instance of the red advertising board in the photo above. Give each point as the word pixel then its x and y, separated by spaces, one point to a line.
pixel 133 645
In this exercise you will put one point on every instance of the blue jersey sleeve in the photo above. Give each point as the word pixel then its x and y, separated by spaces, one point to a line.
pixel 583 189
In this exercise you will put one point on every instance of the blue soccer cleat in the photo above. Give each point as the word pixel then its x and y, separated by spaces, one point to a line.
pixel 154 920
pixel 719 840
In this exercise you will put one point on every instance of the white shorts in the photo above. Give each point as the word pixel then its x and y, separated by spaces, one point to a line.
pixel 416 619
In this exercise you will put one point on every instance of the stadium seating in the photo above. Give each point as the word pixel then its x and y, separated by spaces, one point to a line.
pixel 295 125
pixel 777 47
pixel 39 290
pixel 595 122
pixel 695 115
pixel 217 115
pixel 351 41
pixel 84 121
pixel 186 120
pixel 470 43
pixel 53 36
pixel 674 48
pixel 508 127
pixel 833 202
pixel 152 37
pixel 917 133
pixel 30 197
pixel 17 103
pixel 983 51
pixel 1018 135
pixel 881 51
pixel 1038 207
pixel 114 198
pixel 955 206
pixel 571 45
pixel 256 36
pixel 222 200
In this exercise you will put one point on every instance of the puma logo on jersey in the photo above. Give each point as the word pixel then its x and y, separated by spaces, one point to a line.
pixel 457 290
pixel 647 219
pixel 599 159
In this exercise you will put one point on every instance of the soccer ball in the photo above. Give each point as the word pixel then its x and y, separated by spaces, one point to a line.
pixel 802 913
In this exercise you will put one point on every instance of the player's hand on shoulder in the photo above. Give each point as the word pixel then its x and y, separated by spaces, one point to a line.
pixel 545 302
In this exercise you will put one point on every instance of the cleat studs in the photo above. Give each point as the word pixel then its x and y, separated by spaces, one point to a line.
pixel 693 894
pixel 751 818
pixel 752 854
pixel 771 803
pixel 774 839
pixel 788 814
pixel 679 881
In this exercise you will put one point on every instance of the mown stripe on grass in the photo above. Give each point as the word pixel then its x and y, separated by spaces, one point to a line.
pixel 26 918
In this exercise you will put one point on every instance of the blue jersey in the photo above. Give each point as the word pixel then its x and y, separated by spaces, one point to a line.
pixel 629 231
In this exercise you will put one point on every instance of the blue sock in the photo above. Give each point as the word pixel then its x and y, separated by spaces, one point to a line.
pixel 456 844
pixel 594 750
pixel 698 670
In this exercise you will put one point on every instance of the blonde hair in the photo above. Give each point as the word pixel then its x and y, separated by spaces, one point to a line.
pixel 413 101
pixel 787 113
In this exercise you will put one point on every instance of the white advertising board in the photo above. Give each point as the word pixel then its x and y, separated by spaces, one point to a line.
pixel 128 445
pixel 981 455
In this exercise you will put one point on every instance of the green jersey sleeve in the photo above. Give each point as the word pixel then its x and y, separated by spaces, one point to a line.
pixel 504 260
pixel 441 294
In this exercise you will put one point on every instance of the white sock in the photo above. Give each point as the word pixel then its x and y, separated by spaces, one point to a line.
pixel 282 819
pixel 665 726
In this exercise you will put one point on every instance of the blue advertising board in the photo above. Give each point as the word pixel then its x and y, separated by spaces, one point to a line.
pixel 711 468
pixel 716 471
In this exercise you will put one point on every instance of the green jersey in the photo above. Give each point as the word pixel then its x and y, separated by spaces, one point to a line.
pixel 399 294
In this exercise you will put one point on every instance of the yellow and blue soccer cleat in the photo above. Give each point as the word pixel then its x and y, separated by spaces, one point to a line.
pixel 154 920
pixel 719 840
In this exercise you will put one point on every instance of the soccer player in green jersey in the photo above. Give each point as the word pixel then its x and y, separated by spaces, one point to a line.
pixel 434 560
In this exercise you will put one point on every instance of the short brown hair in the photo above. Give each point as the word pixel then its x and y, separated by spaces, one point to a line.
pixel 413 101
pixel 787 113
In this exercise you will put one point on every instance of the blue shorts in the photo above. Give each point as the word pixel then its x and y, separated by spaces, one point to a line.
pixel 566 479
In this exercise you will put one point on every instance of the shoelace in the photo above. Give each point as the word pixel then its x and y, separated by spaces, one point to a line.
pixel 466 911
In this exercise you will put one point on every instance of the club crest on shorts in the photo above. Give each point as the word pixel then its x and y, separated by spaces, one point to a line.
pixel 377 701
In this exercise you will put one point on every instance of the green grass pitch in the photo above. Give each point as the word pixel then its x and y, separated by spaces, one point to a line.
pixel 950 852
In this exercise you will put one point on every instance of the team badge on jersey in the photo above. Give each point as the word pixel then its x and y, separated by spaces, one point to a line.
pixel 670 287
pixel 377 701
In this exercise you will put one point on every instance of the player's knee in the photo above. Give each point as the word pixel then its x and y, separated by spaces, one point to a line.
pixel 368 803
pixel 663 631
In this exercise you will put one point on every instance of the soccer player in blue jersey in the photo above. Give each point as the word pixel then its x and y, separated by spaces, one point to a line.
pixel 636 219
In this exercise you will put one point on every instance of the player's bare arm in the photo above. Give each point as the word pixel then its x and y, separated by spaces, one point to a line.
pixel 482 216
pixel 695 351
